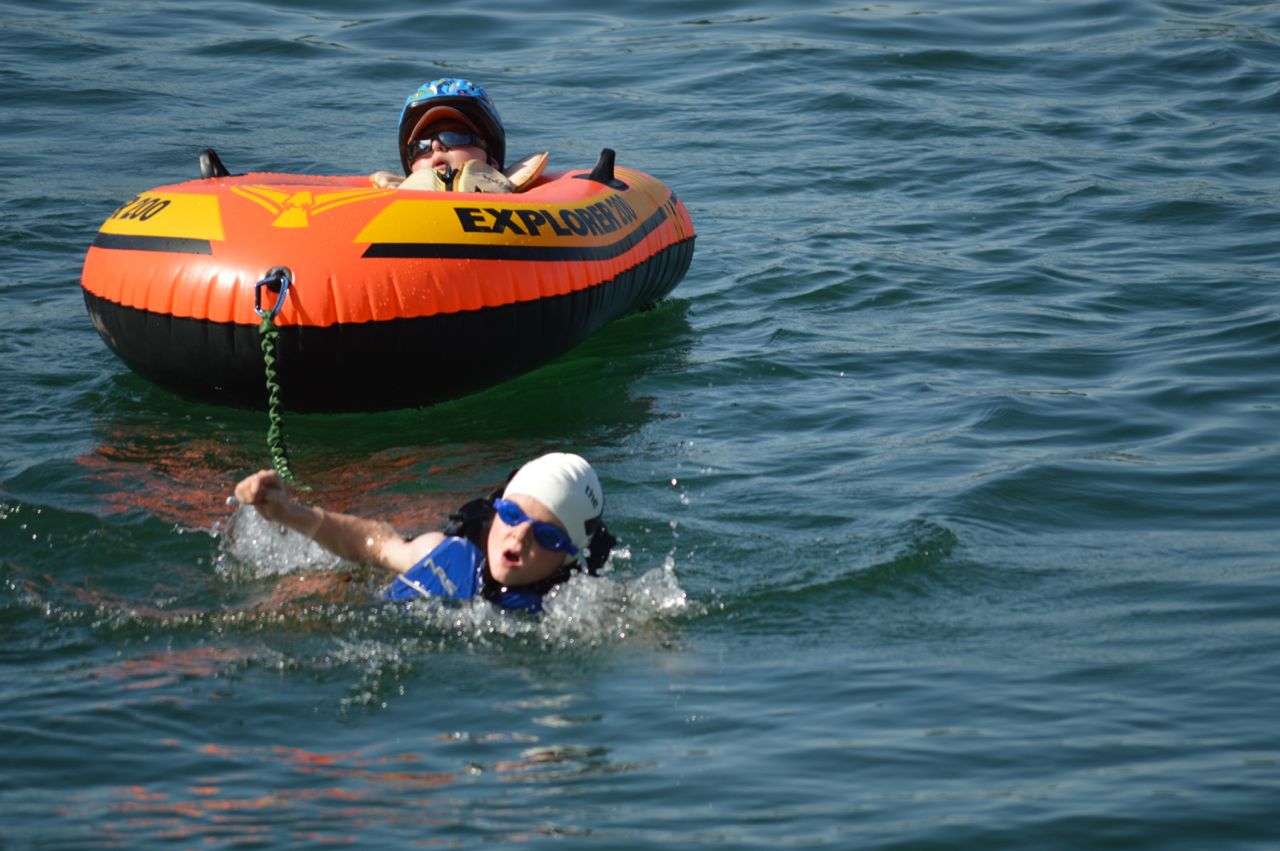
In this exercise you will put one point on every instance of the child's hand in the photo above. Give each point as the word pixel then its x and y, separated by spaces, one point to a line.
pixel 385 179
pixel 265 491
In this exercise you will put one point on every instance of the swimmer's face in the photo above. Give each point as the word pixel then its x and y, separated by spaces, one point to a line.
pixel 440 154
pixel 515 556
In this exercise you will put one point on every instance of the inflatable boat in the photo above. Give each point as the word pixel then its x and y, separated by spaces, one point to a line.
pixel 384 298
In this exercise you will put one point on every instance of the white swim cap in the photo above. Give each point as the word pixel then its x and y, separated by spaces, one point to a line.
pixel 566 484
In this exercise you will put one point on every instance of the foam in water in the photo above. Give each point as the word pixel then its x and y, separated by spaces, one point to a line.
pixel 254 547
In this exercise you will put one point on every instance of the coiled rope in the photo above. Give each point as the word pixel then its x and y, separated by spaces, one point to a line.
pixel 278 280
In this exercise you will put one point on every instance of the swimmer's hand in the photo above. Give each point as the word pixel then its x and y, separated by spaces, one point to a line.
pixel 386 179
pixel 264 490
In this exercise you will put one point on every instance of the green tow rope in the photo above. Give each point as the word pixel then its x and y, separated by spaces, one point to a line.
pixel 278 278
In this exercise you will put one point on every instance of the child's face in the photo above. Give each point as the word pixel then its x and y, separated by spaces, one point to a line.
pixel 442 155
pixel 515 556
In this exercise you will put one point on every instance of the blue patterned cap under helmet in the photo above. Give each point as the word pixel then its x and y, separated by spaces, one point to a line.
pixel 467 98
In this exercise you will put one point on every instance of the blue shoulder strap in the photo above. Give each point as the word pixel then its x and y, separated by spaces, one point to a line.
pixel 452 570
pixel 517 600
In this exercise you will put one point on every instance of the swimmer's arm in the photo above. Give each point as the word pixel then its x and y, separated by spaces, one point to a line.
pixel 368 541
pixel 345 535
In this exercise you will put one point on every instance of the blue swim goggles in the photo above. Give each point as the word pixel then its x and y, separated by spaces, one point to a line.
pixel 547 535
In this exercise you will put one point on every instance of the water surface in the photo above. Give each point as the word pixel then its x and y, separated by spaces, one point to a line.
pixel 946 480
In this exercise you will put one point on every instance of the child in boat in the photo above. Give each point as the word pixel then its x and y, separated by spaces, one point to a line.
pixel 510 549
pixel 451 138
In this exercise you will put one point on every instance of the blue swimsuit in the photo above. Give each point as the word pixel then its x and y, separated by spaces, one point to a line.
pixel 456 569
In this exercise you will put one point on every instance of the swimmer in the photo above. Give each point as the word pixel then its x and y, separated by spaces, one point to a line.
pixel 510 549
pixel 451 138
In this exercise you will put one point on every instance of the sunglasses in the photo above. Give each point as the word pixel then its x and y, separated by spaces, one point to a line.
pixel 448 140
pixel 547 535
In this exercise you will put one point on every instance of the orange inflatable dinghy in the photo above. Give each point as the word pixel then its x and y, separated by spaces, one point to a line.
pixel 392 298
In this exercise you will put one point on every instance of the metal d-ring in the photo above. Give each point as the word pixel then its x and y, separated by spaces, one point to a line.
pixel 277 280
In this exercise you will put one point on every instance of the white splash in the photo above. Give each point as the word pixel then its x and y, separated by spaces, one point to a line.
pixel 254 547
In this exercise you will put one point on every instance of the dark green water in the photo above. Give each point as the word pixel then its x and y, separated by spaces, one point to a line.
pixel 947 480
